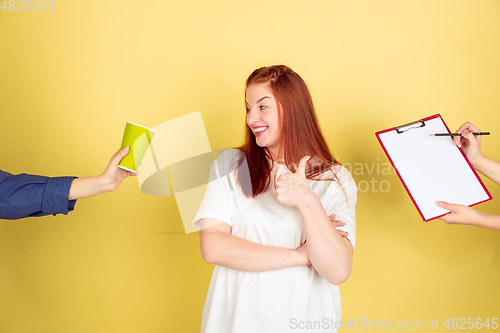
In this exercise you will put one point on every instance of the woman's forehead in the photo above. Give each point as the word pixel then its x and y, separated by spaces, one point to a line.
pixel 257 92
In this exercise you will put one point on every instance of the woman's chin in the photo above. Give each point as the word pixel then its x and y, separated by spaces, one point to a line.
pixel 260 144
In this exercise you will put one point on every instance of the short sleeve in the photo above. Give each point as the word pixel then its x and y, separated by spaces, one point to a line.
pixel 342 202
pixel 216 203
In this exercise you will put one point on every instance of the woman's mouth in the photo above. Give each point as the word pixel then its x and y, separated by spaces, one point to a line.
pixel 260 130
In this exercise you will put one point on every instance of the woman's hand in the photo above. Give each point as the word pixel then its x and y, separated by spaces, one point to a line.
pixel 471 146
pixel 108 181
pixel 465 215
pixel 459 214
pixel 291 187
pixel 468 142
pixel 337 224
pixel 113 176
pixel 304 258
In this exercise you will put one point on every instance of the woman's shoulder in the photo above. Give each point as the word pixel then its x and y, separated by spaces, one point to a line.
pixel 341 172
pixel 335 172
pixel 227 161
pixel 228 155
pixel 337 175
pixel 337 180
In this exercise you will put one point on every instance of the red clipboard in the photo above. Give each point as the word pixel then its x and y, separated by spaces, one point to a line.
pixel 430 169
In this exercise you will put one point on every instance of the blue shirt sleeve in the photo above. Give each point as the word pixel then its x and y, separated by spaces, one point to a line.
pixel 30 195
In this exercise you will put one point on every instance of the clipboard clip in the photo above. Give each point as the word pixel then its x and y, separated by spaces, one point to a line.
pixel 409 126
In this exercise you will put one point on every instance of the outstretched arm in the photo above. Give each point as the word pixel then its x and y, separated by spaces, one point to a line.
pixel 31 195
pixel 488 167
pixel 471 146
pixel 461 214
pixel 108 181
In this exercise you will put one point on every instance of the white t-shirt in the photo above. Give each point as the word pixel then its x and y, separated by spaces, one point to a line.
pixel 293 299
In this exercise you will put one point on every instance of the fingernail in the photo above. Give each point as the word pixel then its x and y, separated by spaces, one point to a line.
pixel 308 157
pixel 125 149
pixel 439 203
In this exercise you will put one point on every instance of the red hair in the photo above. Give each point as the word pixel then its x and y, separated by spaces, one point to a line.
pixel 300 131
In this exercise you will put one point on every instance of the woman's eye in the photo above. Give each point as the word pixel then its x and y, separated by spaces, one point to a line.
pixel 263 107
pixel 248 110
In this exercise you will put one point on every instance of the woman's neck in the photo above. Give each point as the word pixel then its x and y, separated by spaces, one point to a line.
pixel 276 155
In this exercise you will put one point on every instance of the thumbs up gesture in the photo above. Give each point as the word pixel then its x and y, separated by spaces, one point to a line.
pixel 292 187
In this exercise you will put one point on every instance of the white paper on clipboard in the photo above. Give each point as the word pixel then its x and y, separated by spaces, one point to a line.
pixel 432 168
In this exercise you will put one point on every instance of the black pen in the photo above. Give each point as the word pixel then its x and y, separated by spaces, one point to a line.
pixel 456 134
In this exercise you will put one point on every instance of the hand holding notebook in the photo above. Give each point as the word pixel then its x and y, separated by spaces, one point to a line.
pixel 460 214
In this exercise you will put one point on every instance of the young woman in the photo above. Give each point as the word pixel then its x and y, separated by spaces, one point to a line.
pixel 264 220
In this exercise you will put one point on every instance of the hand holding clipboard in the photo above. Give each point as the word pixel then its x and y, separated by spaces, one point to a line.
pixel 471 146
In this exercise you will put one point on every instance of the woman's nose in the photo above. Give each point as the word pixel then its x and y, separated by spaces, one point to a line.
pixel 252 117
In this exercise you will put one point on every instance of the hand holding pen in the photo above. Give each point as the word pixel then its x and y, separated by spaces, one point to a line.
pixel 468 142
pixel 468 138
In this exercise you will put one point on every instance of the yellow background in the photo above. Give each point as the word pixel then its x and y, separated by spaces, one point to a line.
pixel 71 78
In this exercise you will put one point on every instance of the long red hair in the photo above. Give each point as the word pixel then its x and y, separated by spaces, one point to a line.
pixel 300 131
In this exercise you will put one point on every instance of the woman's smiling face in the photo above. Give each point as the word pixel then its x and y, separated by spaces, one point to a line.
pixel 262 117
